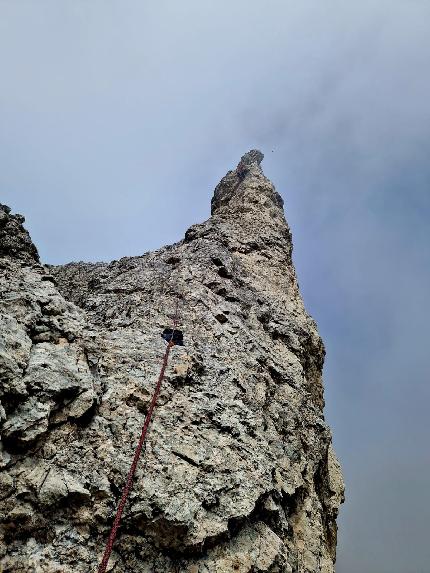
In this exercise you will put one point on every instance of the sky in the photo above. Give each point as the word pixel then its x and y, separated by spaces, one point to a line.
pixel 118 118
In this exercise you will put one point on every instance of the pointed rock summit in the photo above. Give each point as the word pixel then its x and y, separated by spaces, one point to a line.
pixel 246 182
pixel 238 474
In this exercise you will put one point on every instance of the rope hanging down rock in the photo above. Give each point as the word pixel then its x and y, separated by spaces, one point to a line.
pixel 132 471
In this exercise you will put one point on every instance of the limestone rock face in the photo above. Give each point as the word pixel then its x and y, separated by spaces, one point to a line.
pixel 238 474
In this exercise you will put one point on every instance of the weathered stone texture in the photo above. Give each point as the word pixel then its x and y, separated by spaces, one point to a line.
pixel 238 472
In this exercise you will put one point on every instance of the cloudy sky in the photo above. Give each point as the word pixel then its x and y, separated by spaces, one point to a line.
pixel 117 119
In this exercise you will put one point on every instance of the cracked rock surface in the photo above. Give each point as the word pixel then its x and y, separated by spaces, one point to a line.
pixel 238 473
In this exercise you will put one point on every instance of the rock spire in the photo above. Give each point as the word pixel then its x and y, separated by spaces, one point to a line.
pixel 239 474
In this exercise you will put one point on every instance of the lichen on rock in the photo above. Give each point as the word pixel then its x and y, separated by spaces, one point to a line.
pixel 238 473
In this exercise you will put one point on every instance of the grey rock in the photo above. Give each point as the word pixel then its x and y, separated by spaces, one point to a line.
pixel 238 471
pixel 251 157
pixel 14 239
pixel 28 422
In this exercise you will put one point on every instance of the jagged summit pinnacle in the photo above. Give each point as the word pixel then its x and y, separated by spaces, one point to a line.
pixel 252 156
pixel 246 180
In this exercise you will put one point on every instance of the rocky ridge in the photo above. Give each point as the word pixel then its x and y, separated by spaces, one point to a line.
pixel 238 474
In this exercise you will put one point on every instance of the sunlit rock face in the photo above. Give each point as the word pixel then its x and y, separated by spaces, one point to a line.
pixel 238 474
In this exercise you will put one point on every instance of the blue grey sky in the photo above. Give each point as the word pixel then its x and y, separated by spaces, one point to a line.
pixel 118 118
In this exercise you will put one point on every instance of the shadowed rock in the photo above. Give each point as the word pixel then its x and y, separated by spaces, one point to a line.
pixel 15 242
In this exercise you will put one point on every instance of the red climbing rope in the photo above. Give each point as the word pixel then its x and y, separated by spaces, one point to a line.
pixel 129 482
